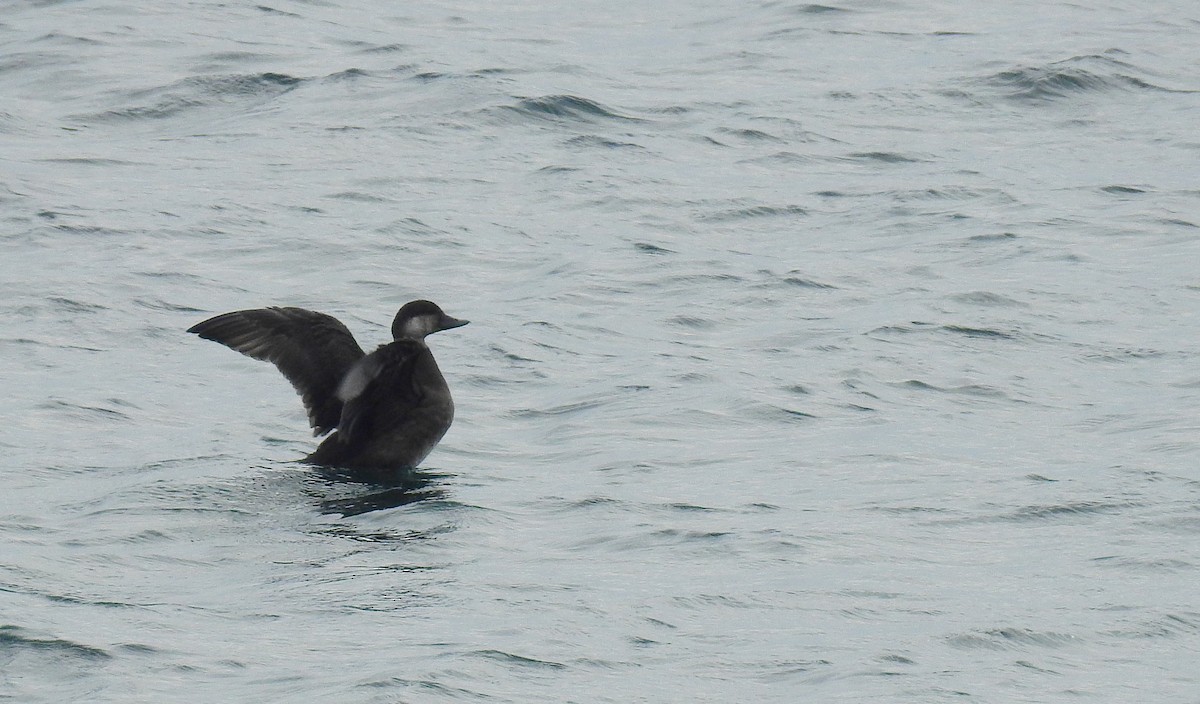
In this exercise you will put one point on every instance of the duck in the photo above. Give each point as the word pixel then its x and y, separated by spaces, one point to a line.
pixel 384 411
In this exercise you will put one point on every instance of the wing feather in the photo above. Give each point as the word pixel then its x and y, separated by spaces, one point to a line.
pixel 313 350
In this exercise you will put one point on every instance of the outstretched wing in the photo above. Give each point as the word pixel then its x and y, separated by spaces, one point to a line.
pixel 381 385
pixel 313 350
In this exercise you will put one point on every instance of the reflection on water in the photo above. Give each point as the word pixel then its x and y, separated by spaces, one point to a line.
pixel 384 490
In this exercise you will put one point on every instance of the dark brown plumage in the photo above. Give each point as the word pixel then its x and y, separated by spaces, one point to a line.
pixel 388 409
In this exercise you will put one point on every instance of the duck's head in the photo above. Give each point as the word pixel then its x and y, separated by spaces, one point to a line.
pixel 420 318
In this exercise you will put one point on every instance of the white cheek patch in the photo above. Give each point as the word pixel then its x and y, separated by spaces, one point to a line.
pixel 358 379
pixel 419 326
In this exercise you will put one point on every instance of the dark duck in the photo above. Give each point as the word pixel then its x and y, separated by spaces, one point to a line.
pixel 386 410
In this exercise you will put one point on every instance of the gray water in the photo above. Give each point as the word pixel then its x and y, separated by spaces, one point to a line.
pixel 819 352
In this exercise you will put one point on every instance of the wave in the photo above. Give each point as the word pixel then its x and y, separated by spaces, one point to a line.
pixel 197 92
pixel 1078 75
pixel 564 107
pixel 17 638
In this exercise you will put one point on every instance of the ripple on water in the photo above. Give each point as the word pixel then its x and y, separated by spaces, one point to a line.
pixel 987 299
pixel 512 659
pixel 1169 625
pixel 598 142
pixel 1073 509
pixel 973 390
pixel 918 327
pixel 194 93
pixel 1144 564
pixel 569 108
pixel 1076 76
pixel 1011 639
pixel 17 640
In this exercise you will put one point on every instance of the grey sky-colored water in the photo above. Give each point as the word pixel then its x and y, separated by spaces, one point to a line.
pixel 819 352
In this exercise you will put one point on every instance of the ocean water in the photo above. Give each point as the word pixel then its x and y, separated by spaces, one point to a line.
pixel 831 352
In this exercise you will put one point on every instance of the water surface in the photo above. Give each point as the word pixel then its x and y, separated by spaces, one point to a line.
pixel 819 352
